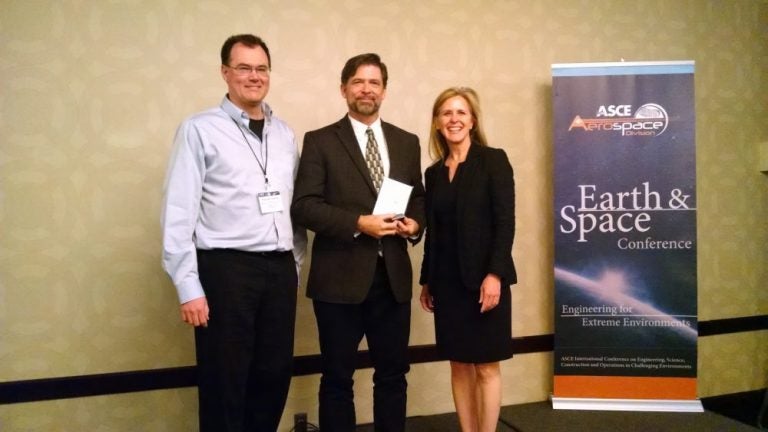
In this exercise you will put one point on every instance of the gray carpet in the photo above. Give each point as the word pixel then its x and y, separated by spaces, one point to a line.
pixel 540 417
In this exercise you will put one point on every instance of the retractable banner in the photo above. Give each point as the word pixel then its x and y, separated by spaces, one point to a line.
pixel 625 236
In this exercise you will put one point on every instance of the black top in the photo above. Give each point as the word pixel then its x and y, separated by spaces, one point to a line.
pixel 257 126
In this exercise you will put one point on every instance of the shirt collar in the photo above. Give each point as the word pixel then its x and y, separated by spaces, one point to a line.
pixel 360 127
pixel 241 116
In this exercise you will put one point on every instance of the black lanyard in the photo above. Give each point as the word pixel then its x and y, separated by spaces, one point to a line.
pixel 266 151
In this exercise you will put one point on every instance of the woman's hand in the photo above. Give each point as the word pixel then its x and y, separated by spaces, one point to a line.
pixel 490 291
pixel 426 299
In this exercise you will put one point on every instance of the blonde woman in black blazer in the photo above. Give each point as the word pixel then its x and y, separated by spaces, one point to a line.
pixel 467 268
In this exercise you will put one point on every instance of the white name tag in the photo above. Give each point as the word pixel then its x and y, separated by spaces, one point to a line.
pixel 270 202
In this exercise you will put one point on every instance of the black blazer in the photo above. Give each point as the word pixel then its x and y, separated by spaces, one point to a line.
pixel 486 218
pixel 333 187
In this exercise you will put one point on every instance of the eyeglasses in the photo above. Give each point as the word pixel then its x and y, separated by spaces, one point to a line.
pixel 245 70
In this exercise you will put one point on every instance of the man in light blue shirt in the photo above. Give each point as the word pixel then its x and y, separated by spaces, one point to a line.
pixel 230 248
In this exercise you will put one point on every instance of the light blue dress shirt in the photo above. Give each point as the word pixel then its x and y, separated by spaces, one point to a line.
pixel 211 200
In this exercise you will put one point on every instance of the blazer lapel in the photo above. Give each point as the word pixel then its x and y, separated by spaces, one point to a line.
pixel 471 166
pixel 348 140
pixel 397 164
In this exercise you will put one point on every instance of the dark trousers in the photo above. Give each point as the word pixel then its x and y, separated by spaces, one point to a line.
pixel 386 326
pixel 245 355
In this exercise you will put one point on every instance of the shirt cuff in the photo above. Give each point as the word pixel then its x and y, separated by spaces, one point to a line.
pixel 190 290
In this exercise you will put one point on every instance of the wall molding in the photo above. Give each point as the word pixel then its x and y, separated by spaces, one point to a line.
pixel 733 325
pixel 160 379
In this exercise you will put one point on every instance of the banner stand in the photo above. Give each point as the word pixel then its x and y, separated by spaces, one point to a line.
pixel 625 267
pixel 656 405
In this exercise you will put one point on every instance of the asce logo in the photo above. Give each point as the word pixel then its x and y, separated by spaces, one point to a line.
pixel 649 120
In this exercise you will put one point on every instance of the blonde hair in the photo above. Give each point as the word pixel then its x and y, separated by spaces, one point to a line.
pixel 438 147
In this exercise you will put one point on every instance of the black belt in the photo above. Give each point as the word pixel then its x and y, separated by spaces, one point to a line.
pixel 262 254
pixel 271 254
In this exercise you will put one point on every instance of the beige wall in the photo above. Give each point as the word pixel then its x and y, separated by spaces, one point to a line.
pixel 91 93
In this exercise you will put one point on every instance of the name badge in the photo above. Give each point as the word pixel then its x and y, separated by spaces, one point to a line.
pixel 270 202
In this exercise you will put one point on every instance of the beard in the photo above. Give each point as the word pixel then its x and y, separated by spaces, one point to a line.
pixel 364 107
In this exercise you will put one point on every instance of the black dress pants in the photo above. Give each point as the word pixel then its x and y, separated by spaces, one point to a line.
pixel 386 326
pixel 245 355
